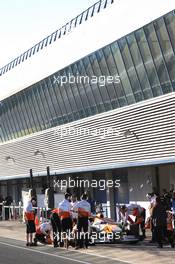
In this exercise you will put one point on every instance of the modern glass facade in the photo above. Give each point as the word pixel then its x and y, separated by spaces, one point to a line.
pixel 144 60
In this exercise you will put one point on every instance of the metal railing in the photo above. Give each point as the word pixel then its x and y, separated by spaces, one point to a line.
pixel 67 28
pixel 16 213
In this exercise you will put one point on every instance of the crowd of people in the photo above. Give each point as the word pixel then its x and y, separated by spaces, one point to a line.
pixel 6 202
pixel 71 216
pixel 160 220
pixel 162 215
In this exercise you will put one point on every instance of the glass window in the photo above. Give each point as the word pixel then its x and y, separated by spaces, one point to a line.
pixel 121 99
pixel 14 117
pixel 77 86
pixel 49 99
pixel 139 66
pixel 113 87
pixel 36 104
pixel 11 124
pixel 125 53
pixel 5 124
pixel 56 96
pixel 18 125
pixel 87 82
pixel 2 129
pixel 166 47
pixel 99 88
pixel 58 119
pixel 122 73
pixel 35 114
pixel 148 62
pixel 22 116
pixel 158 58
pixel 87 90
pixel 30 110
pixel 9 121
pixel 170 62
pixel 2 132
pixel 25 113
pixel 41 105
pixel 71 90
pixel 58 91
pixel 46 102
pixel 80 86
pixel 170 23
pixel 130 69
pixel 163 36
pixel 66 93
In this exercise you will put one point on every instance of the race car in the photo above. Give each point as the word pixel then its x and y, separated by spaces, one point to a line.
pixel 106 230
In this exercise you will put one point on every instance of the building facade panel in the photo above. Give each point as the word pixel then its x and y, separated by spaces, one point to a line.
pixel 143 132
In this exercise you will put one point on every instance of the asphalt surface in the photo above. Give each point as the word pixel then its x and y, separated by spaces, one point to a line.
pixel 14 251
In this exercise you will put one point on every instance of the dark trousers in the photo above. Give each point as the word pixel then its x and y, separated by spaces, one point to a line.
pixel 153 239
pixel 82 227
pixel 170 236
pixel 142 225
pixel 56 226
pixel 7 213
pixel 66 228
pixel 161 233
pixel 66 224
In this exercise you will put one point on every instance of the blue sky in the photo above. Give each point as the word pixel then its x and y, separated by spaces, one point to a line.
pixel 25 22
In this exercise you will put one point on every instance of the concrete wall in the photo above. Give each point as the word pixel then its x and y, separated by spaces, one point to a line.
pixel 167 177
pixel 140 182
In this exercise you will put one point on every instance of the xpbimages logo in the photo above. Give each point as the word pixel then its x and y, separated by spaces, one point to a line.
pixel 101 133
pixel 101 184
pixel 101 80
pixel 90 236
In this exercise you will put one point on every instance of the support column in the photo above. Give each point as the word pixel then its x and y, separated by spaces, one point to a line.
pixel 110 196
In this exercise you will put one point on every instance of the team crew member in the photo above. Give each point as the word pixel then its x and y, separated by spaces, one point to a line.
pixel 152 199
pixel 137 211
pixel 140 214
pixel 43 233
pixel 160 221
pixel 30 221
pixel 66 219
pixel 84 211
pixel 56 226
pixel 170 231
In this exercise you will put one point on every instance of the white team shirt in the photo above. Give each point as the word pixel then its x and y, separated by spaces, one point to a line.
pixel 28 207
pixel 84 205
pixel 45 227
pixel 65 206
pixel 74 209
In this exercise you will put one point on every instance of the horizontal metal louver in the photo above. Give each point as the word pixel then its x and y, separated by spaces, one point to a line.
pixel 147 135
